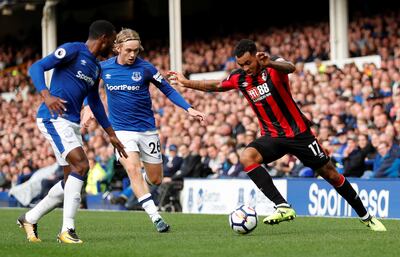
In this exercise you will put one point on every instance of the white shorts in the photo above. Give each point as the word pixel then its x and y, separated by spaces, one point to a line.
pixel 146 143
pixel 63 135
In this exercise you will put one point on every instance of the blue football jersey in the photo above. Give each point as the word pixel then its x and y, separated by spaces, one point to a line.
pixel 128 96
pixel 76 74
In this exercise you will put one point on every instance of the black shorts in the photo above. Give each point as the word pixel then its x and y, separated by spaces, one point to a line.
pixel 304 146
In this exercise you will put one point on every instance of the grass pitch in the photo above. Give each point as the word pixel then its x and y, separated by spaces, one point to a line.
pixel 132 234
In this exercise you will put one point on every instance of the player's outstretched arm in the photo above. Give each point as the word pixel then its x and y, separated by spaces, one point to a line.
pixel 279 64
pixel 196 114
pixel 87 116
pixel 177 78
pixel 115 142
pixel 176 98
pixel 97 108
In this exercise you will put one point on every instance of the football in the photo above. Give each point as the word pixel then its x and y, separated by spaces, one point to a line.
pixel 243 220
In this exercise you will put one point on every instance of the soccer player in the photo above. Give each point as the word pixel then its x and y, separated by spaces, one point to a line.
pixel 126 79
pixel 264 83
pixel 76 76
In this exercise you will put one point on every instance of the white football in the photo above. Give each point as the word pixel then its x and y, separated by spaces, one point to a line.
pixel 243 220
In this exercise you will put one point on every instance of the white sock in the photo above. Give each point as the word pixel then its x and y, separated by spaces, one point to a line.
pixel 365 217
pixel 47 204
pixel 285 205
pixel 148 205
pixel 72 200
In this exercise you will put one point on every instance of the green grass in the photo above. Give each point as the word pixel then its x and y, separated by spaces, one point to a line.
pixel 132 234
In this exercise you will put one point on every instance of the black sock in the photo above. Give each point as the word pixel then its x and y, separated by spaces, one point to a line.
pixel 263 180
pixel 350 195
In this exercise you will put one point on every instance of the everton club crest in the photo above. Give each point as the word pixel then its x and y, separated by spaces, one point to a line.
pixel 136 76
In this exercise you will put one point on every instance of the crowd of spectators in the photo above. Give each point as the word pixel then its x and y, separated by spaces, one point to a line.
pixel 297 43
pixel 12 56
pixel 356 111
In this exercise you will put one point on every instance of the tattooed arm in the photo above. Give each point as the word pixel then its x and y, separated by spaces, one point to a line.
pixel 177 78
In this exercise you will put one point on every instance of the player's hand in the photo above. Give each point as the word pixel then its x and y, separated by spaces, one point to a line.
pixel 87 116
pixel 56 105
pixel 197 115
pixel 176 78
pixel 263 58
pixel 118 145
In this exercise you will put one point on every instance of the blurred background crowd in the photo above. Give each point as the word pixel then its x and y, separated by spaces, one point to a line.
pixel 356 111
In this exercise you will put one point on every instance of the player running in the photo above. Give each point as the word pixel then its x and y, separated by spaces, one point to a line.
pixel 126 80
pixel 264 83
pixel 76 76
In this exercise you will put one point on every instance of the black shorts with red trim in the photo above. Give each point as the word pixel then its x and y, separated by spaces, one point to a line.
pixel 304 146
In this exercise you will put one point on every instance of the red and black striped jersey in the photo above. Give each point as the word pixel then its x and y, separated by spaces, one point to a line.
pixel 268 94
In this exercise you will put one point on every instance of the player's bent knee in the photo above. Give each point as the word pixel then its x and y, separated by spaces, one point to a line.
pixel 154 178
pixel 156 181
pixel 249 157
pixel 82 167
pixel 246 160
pixel 329 173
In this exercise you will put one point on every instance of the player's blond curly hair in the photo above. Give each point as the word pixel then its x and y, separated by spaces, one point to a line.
pixel 126 35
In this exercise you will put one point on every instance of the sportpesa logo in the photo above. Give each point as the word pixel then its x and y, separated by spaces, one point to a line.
pixel 122 87
pixel 85 78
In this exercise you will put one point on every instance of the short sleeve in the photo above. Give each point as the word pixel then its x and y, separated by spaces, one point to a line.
pixel 231 82
pixel 63 53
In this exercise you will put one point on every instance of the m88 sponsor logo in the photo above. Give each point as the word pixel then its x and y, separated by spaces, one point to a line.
pixel 259 93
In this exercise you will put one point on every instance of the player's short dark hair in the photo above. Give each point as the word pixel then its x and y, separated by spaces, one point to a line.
pixel 245 45
pixel 99 28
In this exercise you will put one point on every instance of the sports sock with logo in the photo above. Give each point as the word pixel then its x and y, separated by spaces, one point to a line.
pixel 263 180
pixel 344 188
pixel 148 205
pixel 47 204
pixel 72 200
